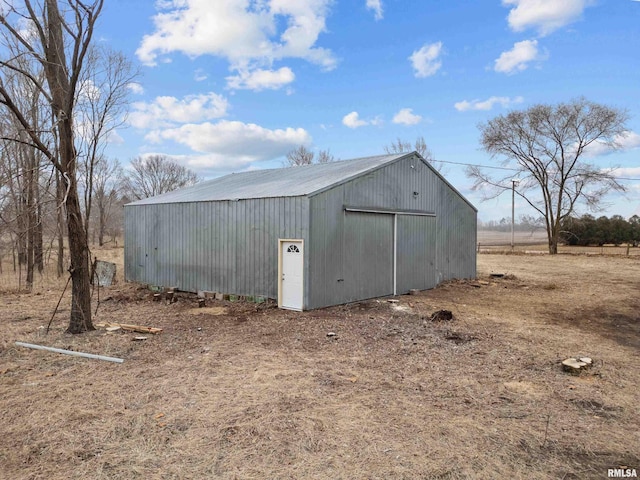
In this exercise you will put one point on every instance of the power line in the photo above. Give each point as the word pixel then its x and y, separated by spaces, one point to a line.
pixel 476 165
pixel 509 168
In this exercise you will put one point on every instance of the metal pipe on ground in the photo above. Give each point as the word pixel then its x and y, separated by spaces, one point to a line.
pixel 70 352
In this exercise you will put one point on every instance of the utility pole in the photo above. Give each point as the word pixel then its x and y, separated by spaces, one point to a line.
pixel 514 182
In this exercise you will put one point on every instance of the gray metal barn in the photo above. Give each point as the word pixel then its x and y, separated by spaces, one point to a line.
pixel 310 236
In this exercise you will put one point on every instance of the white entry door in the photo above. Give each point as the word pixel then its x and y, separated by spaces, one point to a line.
pixel 291 290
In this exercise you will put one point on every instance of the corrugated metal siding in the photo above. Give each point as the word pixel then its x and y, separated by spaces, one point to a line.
pixel 393 187
pixel 325 251
pixel 416 253
pixel 456 244
pixel 227 246
pixel 368 253
pixel 407 184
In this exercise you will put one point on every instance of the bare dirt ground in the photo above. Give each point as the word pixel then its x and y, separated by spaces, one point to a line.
pixel 246 391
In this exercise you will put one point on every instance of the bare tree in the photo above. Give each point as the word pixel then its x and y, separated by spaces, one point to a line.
pixel 101 106
pixel 58 41
pixel 545 145
pixel 404 146
pixel 154 175
pixel 106 175
pixel 22 165
pixel 303 156
pixel 60 223
pixel 325 156
pixel 300 156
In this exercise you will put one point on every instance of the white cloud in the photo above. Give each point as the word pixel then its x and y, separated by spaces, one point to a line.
pixel 518 58
pixel 426 61
pixel 89 91
pixel 627 141
pixel 406 117
pixel 114 138
pixel 544 15
pixel 487 104
pixel 250 35
pixel 376 6
pixel 353 120
pixel 235 139
pixel 135 88
pixel 164 111
pixel 627 171
pixel 212 164
pixel 260 79
pixel 199 75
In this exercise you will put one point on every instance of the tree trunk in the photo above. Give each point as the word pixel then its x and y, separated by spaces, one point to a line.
pixel 101 223
pixel 30 253
pixel 29 214
pixel 21 239
pixel 38 245
pixel 62 95
pixel 80 320
pixel 553 231
pixel 13 252
pixel 60 220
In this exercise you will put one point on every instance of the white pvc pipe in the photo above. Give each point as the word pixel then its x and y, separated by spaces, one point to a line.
pixel 70 352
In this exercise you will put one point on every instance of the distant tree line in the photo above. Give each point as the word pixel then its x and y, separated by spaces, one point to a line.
pixel 588 230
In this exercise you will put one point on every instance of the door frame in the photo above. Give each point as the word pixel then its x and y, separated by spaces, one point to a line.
pixel 280 242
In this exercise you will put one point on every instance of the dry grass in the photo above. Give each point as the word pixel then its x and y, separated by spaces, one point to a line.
pixel 543 249
pixel 536 242
pixel 250 391
pixel 11 281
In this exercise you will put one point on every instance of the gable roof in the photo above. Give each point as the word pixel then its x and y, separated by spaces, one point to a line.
pixel 277 182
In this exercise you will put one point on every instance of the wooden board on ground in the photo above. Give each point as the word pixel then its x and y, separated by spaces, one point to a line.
pixel 208 311
pixel 131 328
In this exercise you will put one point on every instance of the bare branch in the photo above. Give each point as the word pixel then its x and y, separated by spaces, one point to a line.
pixel 404 146
pixel 300 156
pixel 155 175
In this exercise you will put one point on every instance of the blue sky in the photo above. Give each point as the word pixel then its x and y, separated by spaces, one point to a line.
pixel 230 85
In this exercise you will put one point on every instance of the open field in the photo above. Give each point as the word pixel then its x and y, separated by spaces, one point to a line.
pixel 246 391
pixel 536 241
pixel 495 238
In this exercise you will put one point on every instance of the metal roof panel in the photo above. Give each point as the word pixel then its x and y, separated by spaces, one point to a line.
pixel 278 182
